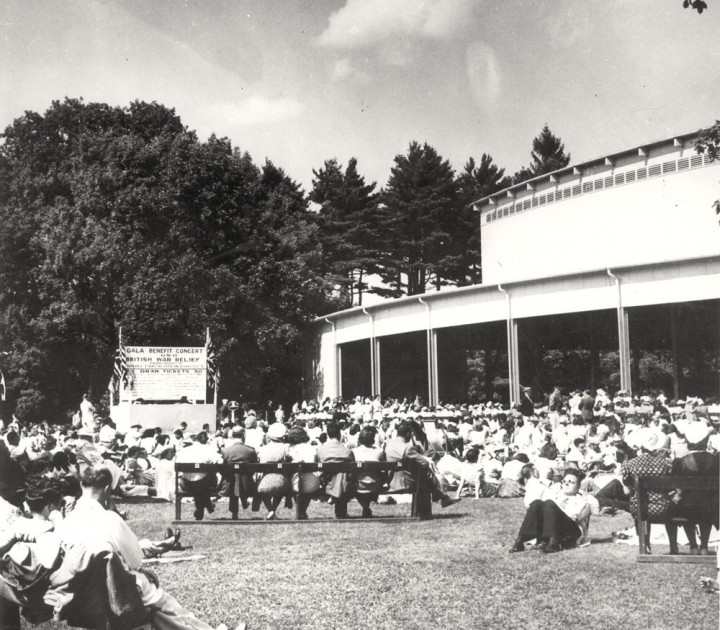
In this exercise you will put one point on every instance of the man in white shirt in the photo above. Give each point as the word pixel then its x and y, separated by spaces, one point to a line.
pixel 91 525
pixel 200 484
pixel 87 413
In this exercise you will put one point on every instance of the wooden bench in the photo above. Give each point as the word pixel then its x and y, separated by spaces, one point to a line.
pixel 289 468
pixel 645 484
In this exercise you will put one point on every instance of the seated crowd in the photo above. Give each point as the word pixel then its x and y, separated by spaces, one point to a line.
pixel 485 450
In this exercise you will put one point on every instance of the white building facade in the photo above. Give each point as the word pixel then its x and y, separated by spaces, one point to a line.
pixel 617 256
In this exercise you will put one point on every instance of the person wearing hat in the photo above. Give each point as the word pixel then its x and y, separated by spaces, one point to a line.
pixel 698 506
pixel 200 485
pixel 254 435
pixel 650 462
pixel 238 488
pixel 273 486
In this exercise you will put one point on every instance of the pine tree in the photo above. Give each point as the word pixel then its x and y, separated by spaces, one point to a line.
pixel 548 155
pixel 347 219
pixel 421 209
pixel 476 181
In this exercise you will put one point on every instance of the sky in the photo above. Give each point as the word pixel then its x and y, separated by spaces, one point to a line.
pixel 303 81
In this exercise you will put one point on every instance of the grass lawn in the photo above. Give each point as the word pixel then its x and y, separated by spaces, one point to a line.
pixel 452 572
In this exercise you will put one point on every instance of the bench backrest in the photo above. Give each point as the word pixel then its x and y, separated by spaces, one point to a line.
pixel 673 482
pixel 295 467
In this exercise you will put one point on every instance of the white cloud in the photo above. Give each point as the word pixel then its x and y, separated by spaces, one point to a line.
pixel 259 110
pixel 483 74
pixel 370 23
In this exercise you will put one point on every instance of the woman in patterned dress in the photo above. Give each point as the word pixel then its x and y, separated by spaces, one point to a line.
pixel 650 462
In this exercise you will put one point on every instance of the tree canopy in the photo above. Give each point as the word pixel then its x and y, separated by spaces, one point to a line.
pixel 115 217
pixel 348 227
pixel 548 155
pixel 120 217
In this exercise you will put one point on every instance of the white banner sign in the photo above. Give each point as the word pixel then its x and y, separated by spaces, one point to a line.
pixel 163 373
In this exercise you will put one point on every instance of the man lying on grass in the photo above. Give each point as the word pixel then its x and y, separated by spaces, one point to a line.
pixel 557 519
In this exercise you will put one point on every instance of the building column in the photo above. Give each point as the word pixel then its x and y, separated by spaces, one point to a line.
pixel 512 351
pixel 338 371
pixel 623 338
pixel 377 383
pixel 431 356
pixel 434 376
pixel 374 363
pixel 675 353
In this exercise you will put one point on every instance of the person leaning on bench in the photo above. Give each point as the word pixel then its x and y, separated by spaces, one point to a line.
pixel 400 449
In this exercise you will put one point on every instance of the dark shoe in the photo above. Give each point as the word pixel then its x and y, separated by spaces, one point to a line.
pixel 448 501
pixel 518 546
pixel 244 504
pixel 211 508
pixel 198 515
pixel 553 546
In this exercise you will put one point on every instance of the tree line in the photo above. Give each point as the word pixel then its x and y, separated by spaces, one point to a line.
pixel 121 217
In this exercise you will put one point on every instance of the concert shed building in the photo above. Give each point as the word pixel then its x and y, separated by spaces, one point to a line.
pixel 601 274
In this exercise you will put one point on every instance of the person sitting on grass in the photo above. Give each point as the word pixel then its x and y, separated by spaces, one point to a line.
pixel 91 524
pixel 471 473
pixel 559 520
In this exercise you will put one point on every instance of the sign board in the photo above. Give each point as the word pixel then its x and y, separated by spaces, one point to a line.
pixel 233 405
pixel 166 373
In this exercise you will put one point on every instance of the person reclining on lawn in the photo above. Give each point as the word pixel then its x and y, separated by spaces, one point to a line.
pixel 558 520
pixel 90 523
